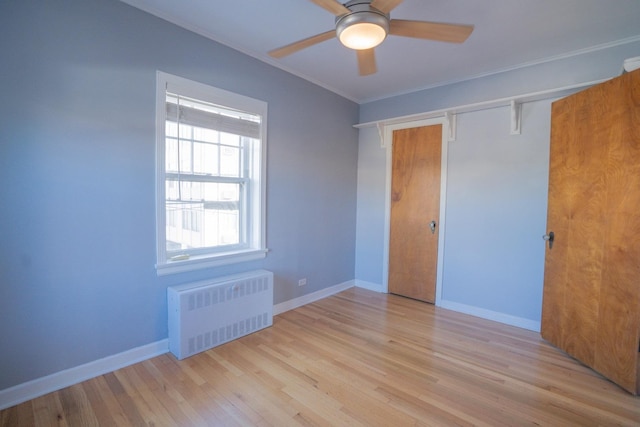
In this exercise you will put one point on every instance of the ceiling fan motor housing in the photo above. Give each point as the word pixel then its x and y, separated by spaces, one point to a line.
pixel 362 16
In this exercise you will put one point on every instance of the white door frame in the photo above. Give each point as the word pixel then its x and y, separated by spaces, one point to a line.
pixel 387 141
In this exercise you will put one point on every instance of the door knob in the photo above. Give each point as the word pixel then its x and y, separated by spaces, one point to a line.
pixel 549 238
pixel 432 226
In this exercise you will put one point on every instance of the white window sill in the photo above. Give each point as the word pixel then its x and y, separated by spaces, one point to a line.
pixel 197 263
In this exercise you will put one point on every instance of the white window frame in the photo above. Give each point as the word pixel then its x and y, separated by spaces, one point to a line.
pixel 256 241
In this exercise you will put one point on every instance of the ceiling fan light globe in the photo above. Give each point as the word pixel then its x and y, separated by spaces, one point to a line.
pixel 362 36
pixel 362 30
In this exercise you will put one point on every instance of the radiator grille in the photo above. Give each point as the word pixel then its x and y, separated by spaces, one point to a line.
pixel 205 314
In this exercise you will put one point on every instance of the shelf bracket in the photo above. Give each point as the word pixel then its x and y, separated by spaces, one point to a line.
pixel 516 118
pixel 452 126
pixel 380 127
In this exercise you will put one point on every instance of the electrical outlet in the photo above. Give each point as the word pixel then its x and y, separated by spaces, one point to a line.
pixel 302 282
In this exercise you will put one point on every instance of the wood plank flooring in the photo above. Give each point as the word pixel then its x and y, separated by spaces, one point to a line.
pixel 357 358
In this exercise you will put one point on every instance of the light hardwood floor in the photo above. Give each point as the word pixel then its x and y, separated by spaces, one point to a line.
pixel 358 358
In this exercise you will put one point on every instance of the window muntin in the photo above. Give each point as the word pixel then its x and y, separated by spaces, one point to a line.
pixel 210 175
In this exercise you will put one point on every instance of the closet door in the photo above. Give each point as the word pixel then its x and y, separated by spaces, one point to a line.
pixel 415 212
pixel 591 302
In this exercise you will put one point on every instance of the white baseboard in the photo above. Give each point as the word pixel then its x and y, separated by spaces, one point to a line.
pixel 32 389
pixel 41 386
pixel 507 319
pixel 309 298
pixel 369 285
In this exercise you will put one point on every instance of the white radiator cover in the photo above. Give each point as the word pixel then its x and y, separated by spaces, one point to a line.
pixel 205 314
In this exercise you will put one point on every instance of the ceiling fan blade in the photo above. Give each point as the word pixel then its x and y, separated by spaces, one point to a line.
pixel 385 6
pixel 452 33
pixel 301 44
pixel 332 6
pixel 366 62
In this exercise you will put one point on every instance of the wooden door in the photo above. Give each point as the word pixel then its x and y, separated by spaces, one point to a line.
pixel 591 302
pixel 415 208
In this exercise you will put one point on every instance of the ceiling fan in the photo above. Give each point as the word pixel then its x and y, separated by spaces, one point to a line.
pixel 364 24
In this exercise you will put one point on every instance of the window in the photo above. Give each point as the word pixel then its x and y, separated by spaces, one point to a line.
pixel 210 176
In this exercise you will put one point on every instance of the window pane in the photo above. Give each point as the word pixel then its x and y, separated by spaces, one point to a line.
pixel 228 192
pixel 205 158
pixel 171 155
pixel 185 156
pixel 172 191
pixel 228 225
pixel 202 215
pixel 185 131
pixel 221 195
pixel 230 161
pixel 171 129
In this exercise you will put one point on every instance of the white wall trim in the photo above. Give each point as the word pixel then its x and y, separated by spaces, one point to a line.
pixel 507 319
pixel 309 298
pixel 41 386
pixel 482 105
pixel 376 287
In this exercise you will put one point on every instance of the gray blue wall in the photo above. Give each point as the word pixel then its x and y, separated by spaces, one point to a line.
pixel 496 198
pixel 77 147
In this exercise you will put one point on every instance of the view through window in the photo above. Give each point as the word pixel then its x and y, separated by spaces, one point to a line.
pixel 212 175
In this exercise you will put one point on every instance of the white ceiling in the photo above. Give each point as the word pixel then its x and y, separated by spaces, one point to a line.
pixel 507 34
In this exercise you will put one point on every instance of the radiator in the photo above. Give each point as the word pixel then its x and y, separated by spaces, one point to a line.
pixel 205 314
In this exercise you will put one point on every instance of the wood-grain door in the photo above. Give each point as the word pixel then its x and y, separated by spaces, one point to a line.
pixel 591 302
pixel 415 209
